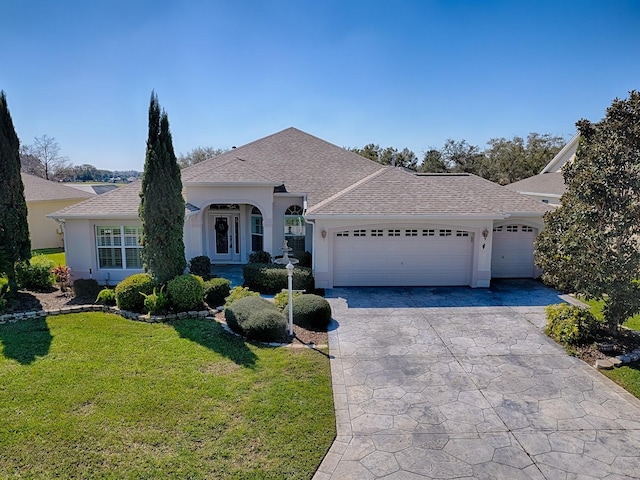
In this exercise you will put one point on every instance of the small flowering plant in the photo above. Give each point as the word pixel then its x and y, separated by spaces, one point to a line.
pixel 62 274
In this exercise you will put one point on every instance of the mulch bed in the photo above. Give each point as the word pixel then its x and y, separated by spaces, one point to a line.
pixel 624 342
pixel 30 301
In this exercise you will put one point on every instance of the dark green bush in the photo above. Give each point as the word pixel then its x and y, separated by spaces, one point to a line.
pixel 216 290
pixel 239 292
pixel 201 266
pixel 238 312
pixel 305 259
pixel 106 296
pixel 186 292
pixel 266 325
pixel 272 278
pixel 128 292
pixel 260 257
pixel 571 325
pixel 156 302
pixel 35 274
pixel 86 287
pixel 257 319
pixel 311 311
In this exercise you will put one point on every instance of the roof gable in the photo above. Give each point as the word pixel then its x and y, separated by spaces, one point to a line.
pixel 551 183
pixel 565 155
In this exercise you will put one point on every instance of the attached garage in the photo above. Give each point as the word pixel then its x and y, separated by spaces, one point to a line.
pixel 408 256
pixel 512 254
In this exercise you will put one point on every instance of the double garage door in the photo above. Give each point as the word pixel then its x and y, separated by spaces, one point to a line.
pixel 512 253
pixel 393 256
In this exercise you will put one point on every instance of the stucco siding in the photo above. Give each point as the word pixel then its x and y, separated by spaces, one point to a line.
pixel 42 230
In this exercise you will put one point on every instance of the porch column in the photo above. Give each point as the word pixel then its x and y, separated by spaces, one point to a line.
pixel 267 238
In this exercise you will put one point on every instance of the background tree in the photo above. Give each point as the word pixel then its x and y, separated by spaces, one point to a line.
pixel 46 152
pixel 591 243
pixel 432 162
pixel 161 206
pixel 14 230
pixel 198 154
pixel 388 156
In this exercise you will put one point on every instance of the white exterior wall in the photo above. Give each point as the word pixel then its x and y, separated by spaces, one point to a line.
pixel 323 252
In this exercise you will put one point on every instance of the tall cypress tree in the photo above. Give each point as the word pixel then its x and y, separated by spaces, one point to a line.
pixel 14 231
pixel 162 206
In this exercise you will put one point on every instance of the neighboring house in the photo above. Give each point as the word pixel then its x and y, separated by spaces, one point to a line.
pixel 548 186
pixel 93 188
pixel 365 223
pixel 44 197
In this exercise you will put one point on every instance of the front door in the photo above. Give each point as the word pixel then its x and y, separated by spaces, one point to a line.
pixel 223 239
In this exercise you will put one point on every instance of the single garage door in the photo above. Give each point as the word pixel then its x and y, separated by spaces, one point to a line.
pixel 402 257
pixel 512 255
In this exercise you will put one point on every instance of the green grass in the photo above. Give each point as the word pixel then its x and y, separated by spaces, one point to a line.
pixel 628 377
pixel 55 254
pixel 596 308
pixel 92 395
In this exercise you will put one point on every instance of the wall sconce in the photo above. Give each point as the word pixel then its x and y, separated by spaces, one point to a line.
pixel 323 233
pixel 485 234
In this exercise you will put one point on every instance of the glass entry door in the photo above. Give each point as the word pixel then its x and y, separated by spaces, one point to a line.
pixel 223 238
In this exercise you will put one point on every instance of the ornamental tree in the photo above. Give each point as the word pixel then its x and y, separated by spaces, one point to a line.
pixel 161 203
pixel 15 244
pixel 591 244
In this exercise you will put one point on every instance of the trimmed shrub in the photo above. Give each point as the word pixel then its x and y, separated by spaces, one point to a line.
pixel 186 292
pixel 237 293
pixel 238 312
pixel 4 285
pixel 156 302
pixel 257 319
pixel 260 257
pixel 312 311
pixel 216 290
pixel 571 325
pixel 201 266
pixel 266 325
pixel 128 292
pixel 305 259
pixel 272 278
pixel 86 287
pixel 35 274
pixel 106 296
pixel 281 300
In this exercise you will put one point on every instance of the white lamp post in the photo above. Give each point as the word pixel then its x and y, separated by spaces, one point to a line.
pixel 289 268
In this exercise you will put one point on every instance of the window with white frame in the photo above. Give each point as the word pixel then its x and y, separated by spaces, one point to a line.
pixel 359 233
pixel 445 233
pixel 377 233
pixel 462 233
pixel 295 229
pixel 393 232
pixel 411 233
pixel 119 247
pixel 428 232
pixel 257 230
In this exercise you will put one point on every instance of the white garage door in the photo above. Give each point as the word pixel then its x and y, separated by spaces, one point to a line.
pixel 512 255
pixel 402 257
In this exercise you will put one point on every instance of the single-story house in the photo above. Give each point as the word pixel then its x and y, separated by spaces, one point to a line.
pixel 548 186
pixel 366 224
pixel 44 197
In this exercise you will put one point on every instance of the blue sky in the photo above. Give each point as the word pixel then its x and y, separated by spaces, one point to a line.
pixel 398 73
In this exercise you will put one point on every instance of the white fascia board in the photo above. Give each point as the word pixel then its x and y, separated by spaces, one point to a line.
pixel 527 214
pixel 290 194
pixel 540 194
pixel 407 218
pixel 232 184
pixel 93 216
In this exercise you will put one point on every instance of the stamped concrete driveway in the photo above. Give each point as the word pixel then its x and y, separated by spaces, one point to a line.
pixel 461 383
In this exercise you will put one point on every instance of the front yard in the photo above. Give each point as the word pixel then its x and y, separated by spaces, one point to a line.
pixel 94 395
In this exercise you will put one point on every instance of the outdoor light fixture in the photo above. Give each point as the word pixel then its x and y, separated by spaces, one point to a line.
pixel 323 233
pixel 485 234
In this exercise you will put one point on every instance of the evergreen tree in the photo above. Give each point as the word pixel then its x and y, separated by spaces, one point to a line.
pixel 14 231
pixel 162 206
pixel 590 244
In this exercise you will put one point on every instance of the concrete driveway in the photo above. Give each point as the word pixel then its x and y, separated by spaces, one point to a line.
pixel 461 383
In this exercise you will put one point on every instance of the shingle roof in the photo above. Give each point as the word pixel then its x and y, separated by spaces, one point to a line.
pixel 396 191
pixel 38 189
pixel 545 183
pixel 120 203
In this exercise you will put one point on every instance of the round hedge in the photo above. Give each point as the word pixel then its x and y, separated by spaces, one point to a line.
pixel 216 290
pixel 237 314
pixel 311 311
pixel 266 325
pixel 128 292
pixel 186 292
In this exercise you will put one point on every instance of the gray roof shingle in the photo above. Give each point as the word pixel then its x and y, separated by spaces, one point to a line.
pixel 38 189
pixel 549 183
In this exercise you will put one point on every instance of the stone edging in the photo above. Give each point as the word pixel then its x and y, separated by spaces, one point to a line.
pixel 205 314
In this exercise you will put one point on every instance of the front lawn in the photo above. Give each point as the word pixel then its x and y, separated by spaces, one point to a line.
pixel 94 395
pixel 56 255
pixel 596 308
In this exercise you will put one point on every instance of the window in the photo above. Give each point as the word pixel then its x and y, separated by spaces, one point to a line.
pixel 497 229
pixel 119 247
pixel 342 234
pixel 393 233
pixel 462 233
pixel 512 228
pixel 445 233
pixel 295 229
pixel 411 233
pixel 359 233
pixel 257 230
pixel 377 233
pixel 526 228
pixel 428 232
